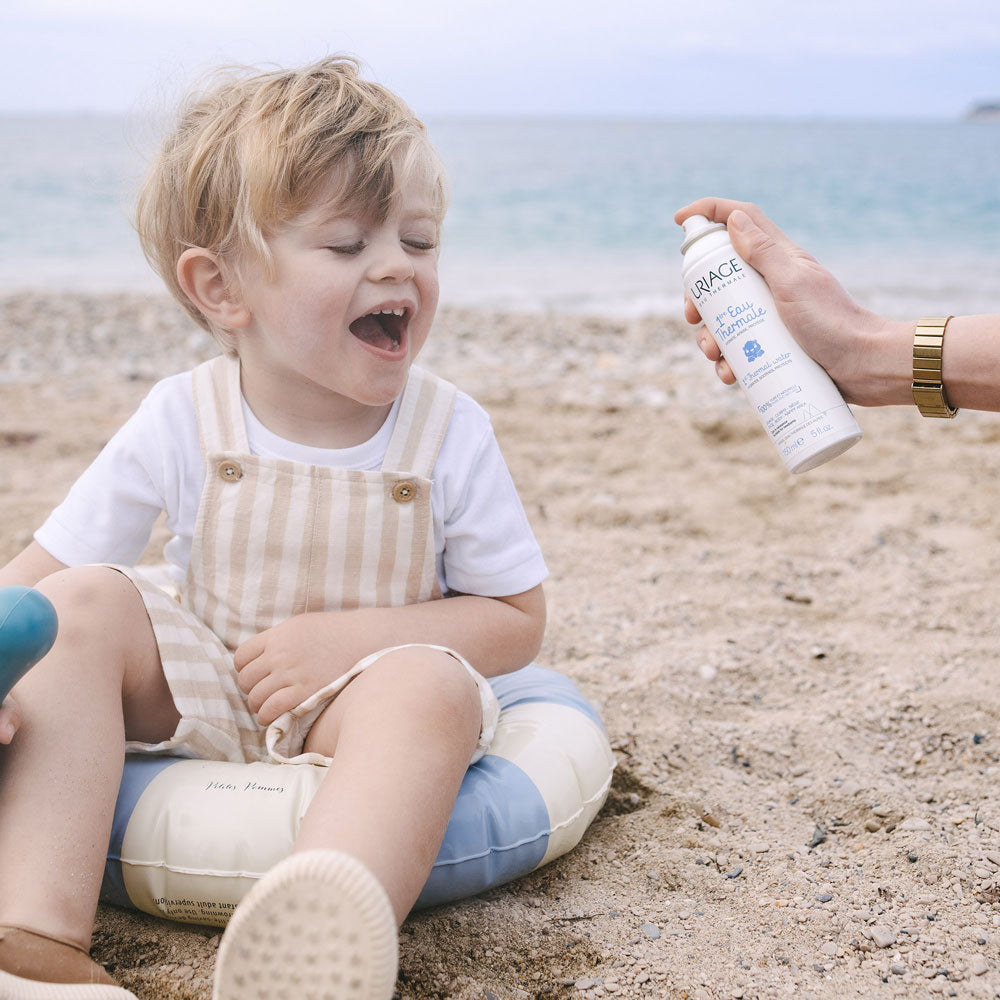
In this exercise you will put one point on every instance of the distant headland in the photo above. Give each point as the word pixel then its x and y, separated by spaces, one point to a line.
pixel 984 111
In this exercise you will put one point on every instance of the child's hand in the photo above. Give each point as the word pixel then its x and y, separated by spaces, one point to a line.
pixel 10 720
pixel 282 666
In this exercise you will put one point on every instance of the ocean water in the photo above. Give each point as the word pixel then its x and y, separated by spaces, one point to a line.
pixel 576 215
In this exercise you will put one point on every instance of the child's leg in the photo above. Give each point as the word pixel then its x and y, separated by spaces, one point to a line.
pixel 401 735
pixel 59 777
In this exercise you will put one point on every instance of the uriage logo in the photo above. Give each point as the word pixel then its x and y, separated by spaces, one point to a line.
pixel 716 277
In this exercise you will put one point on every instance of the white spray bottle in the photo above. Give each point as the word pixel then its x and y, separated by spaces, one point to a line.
pixel 796 401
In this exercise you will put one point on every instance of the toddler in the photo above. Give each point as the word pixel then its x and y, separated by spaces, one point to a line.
pixel 323 495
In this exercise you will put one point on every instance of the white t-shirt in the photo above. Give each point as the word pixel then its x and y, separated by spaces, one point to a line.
pixel 154 464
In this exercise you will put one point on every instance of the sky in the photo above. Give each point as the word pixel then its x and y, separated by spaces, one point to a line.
pixel 624 58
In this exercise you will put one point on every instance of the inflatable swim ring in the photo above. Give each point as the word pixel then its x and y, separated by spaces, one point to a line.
pixel 190 837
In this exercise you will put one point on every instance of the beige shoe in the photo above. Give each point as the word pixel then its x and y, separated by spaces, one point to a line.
pixel 36 966
pixel 318 926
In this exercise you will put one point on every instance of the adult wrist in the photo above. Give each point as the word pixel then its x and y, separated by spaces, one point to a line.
pixel 885 363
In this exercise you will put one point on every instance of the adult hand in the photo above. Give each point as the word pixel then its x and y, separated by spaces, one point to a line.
pixel 831 327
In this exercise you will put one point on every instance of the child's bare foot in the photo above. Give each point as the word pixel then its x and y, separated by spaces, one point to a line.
pixel 34 966
pixel 317 926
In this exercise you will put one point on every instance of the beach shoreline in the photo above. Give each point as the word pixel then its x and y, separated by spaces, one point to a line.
pixel 797 674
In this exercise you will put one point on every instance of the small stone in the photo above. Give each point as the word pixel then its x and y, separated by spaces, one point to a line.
pixel 587 983
pixel 651 931
pixel 825 897
pixel 911 857
pixel 881 810
pixel 829 948
pixel 760 847
pixel 883 936
pixel 850 788
pixel 897 968
pixel 818 837
pixel 911 823
pixel 873 825
pixel 979 966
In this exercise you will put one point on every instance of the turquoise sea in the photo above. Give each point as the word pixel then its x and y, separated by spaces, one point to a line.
pixel 576 214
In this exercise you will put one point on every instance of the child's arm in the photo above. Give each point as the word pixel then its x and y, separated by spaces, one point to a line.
pixel 29 566
pixel 284 665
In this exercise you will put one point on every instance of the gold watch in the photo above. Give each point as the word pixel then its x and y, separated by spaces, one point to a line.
pixel 928 386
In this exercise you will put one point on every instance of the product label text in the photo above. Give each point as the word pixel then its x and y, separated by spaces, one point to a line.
pixel 720 275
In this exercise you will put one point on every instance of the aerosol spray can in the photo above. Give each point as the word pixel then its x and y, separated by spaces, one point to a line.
pixel 796 401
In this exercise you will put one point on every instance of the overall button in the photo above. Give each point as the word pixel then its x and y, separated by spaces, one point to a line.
pixel 230 471
pixel 404 491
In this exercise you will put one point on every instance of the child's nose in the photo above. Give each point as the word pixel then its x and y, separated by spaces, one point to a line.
pixel 391 262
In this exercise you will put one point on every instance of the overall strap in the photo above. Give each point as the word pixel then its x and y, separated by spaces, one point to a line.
pixel 424 412
pixel 218 406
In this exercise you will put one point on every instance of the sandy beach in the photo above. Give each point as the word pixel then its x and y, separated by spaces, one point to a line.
pixel 798 674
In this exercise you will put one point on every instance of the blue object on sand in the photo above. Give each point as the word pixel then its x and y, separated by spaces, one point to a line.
pixel 28 627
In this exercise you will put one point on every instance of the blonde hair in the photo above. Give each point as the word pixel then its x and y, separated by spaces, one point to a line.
pixel 251 150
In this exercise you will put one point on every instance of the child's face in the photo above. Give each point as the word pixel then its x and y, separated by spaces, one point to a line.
pixel 349 306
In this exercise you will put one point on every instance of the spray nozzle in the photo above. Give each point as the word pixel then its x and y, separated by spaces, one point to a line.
pixel 696 226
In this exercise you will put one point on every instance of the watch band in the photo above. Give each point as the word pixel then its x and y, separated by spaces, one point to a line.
pixel 928 386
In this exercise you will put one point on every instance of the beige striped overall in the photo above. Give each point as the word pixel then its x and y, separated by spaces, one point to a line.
pixel 276 538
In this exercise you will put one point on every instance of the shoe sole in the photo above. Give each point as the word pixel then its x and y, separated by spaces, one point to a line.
pixel 318 926
pixel 16 988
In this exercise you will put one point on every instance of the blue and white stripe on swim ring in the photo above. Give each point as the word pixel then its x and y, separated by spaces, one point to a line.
pixel 190 837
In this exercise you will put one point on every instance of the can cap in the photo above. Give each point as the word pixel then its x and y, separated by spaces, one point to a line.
pixel 697 226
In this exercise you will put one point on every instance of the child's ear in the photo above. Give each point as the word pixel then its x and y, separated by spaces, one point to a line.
pixel 200 273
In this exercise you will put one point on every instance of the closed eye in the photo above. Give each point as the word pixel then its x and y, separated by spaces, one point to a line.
pixel 348 249
pixel 420 244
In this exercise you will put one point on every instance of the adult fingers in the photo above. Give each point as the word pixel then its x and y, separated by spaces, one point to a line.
pixel 761 249
pixel 724 372
pixel 691 313
pixel 708 347
pixel 714 209
pixel 706 344
pixel 721 209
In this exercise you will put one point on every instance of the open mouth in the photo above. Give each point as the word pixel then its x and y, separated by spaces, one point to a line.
pixel 382 329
